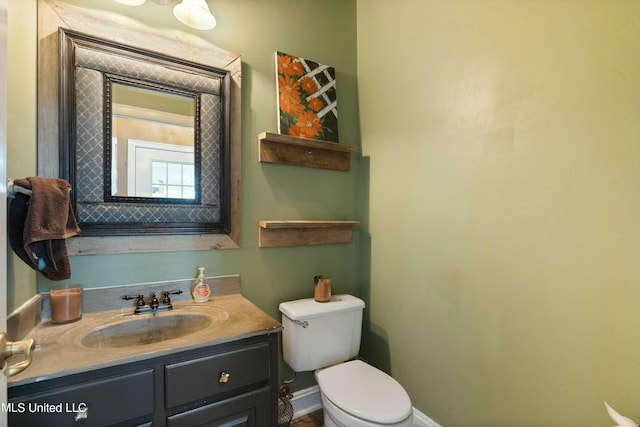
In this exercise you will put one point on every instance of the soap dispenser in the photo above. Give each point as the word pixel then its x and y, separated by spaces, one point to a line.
pixel 201 289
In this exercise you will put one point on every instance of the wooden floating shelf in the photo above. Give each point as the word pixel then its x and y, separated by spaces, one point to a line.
pixel 272 234
pixel 290 150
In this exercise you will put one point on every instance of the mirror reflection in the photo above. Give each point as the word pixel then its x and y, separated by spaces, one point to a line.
pixel 152 142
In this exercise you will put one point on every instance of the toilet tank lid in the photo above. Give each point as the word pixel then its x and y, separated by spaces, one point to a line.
pixel 308 307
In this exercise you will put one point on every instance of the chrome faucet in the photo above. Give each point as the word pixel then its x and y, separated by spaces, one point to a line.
pixel 154 304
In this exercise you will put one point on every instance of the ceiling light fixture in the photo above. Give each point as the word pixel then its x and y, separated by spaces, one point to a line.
pixel 131 2
pixel 195 14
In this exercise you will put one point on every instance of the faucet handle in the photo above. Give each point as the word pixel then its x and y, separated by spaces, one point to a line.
pixel 139 299
pixel 165 296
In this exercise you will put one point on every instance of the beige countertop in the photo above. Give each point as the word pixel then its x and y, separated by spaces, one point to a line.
pixel 59 350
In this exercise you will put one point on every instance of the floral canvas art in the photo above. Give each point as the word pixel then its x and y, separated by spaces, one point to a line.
pixel 307 104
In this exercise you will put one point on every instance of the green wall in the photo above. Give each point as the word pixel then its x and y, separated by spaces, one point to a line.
pixel 255 29
pixel 21 127
pixel 503 209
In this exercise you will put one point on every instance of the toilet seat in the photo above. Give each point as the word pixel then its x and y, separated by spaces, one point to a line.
pixel 365 392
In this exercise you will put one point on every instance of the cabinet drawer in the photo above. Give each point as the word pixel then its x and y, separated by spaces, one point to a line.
pixel 107 401
pixel 247 410
pixel 206 377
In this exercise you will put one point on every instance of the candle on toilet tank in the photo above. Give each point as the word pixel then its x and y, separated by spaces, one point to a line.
pixel 322 291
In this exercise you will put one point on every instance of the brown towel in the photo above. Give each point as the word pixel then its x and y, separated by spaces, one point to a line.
pixel 39 225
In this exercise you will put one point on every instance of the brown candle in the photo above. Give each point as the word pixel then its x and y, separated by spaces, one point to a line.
pixel 322 291
pixel 66 304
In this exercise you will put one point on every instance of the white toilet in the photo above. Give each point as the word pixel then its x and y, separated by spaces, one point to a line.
pixel 324 337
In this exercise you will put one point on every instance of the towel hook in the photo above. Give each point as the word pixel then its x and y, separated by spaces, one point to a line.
pixel 12 189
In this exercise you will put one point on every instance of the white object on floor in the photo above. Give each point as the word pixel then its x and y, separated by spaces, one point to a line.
pixel 621 420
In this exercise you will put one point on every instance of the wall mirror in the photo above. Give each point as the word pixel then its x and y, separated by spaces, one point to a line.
pixel 144 139
pixel 166 109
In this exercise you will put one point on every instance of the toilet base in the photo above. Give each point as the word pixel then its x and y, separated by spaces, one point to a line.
pixel 328 422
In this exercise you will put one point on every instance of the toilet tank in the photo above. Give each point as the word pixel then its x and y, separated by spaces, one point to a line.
pixel 320 334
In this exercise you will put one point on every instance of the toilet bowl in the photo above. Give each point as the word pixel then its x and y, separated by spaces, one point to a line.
pixel 355 394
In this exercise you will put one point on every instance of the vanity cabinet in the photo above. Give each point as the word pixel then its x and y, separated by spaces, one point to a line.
pixel 231 384
pixel 106 401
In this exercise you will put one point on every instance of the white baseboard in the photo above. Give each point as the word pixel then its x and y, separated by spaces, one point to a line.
pixel 308 400
pixel 421 420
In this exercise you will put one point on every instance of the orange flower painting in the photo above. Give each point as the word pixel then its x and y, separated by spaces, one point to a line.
pixel 307 103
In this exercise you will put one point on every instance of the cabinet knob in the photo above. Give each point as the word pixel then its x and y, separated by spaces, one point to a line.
pixel 82 413
pixel 224 377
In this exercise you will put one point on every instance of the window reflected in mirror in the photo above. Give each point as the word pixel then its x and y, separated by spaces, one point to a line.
pixel 152 143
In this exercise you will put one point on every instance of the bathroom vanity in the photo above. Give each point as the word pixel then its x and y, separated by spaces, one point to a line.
pixel 224 373
pixel 229 384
